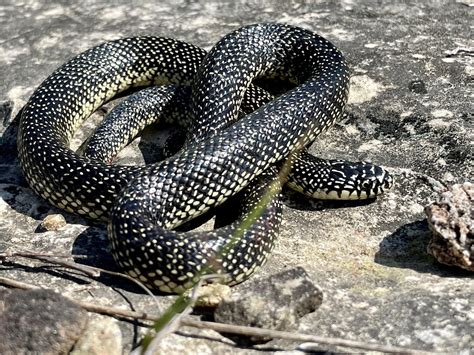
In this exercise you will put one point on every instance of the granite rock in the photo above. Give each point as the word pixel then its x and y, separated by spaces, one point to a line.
pixel 101 336
pixel 276 302
pixel 39 321
pixel 451 219
pixel 370 258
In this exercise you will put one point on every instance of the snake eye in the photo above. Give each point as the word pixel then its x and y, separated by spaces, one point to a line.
pixel 388 182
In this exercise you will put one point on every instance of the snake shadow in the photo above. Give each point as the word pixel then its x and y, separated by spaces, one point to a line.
pixel 406 248
pixel 92 248
pixel 11 172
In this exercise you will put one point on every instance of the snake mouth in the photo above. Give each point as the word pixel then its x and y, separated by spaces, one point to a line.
pixel 380 182
pixel 342 180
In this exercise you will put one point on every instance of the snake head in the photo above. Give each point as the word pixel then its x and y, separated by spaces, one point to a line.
pixel 358 181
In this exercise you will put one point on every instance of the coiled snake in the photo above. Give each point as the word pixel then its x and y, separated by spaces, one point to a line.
pixel 222 157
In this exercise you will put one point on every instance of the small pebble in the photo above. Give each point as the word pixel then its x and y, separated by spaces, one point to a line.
pixel 417 86
pixel 209 296
pixel 53 222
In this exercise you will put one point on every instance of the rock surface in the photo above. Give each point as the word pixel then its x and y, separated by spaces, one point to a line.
pixel 38 321
pixel 101 336
pixel 451 219
pixel 370 259
pixel 276 302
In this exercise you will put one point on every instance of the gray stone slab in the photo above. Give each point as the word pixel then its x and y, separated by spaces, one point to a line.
pixel 410 110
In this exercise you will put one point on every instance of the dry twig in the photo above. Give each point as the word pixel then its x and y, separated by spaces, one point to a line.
pixel 90 271
pixel 53 259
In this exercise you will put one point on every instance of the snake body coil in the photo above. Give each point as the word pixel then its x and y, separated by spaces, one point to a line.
pixel 223 156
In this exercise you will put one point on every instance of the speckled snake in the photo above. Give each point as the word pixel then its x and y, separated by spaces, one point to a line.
pixel 223 156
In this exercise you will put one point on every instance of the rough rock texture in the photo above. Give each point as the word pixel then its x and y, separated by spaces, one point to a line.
pixel 276 302
pixel 101 336
pixel 410 110
pixel 451 219
pixel 38 321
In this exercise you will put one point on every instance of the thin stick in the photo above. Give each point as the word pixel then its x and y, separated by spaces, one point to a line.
pixel 230 328
pixel 17 284
pixel 53 259
pixel 270 333
pixel 110 311
pixel 91 271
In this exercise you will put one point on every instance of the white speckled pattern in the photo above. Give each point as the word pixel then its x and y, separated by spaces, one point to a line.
pixel 220 162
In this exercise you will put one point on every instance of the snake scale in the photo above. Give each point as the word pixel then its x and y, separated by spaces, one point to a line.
pixel 227 159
